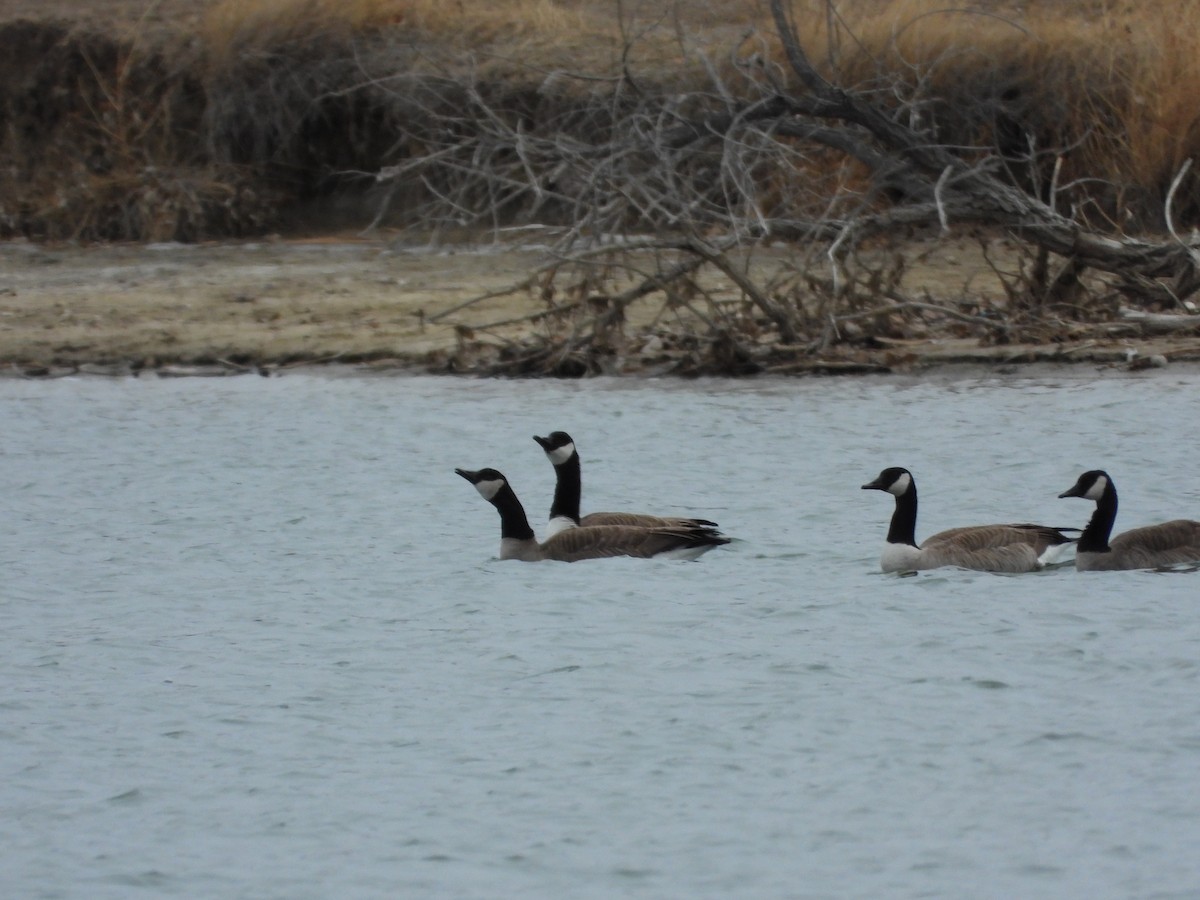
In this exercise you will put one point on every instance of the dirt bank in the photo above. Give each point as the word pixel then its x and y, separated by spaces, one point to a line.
pixel 256 303
pixel 229 307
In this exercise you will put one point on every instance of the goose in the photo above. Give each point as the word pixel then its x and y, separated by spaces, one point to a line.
pixel 517 540
pixel 1170 543
pixel 987 548
pixel 564 509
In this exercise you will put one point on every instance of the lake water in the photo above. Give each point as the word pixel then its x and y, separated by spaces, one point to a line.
pixel 255 643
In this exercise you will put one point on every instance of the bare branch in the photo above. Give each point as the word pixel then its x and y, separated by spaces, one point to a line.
pixel 677 190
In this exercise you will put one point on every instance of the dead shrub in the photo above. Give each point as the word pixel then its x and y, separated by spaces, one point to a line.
pixel 100 142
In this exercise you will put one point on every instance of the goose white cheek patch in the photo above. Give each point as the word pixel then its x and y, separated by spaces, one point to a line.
pixel 489 489
pixel 560 455
pixel 900 485
pixel 1096 491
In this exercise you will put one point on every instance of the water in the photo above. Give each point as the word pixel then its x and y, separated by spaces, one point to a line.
pixel 254 642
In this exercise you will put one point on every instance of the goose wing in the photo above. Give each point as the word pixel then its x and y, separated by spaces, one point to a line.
pixel 993 548
pixel 1177 541
pixel 604 541
pixel 982 537
pixel 641 520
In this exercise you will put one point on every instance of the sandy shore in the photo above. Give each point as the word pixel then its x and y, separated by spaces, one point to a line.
pixel 268 304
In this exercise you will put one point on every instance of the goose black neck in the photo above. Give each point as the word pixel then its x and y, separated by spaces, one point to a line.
pixel 1095 536
pixel 567 490
pixel 903 529
pixel 513 522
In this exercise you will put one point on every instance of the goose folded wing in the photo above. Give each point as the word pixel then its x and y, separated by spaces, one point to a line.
pixel 1177 541
pixel 641 520
pixel 983 537
pixel 604 541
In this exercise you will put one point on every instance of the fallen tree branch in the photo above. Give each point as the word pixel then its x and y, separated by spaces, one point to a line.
pixel 902 303
pixel 774 150
pixel 1160 323
pixel 984 197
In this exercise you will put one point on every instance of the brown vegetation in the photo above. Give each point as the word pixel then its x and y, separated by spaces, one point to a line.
pixel 251 104
pixel 663 150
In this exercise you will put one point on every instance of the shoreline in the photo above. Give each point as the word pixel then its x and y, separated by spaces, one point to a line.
pixel 938 372
pixel 267 306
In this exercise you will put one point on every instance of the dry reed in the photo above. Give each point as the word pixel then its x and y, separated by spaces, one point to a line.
pixel 1110 86
pixel 290 92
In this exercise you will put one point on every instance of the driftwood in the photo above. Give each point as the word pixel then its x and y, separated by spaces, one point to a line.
pixel 667 188
pixel 1160 323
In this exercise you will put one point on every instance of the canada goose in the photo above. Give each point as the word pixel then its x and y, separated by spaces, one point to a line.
pixel 1170 543
pixel 988 548
pixel 594 542
pixel 564 510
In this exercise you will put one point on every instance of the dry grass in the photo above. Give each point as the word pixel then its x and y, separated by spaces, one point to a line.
pixel 276 84
pixel 472 21
pixel 235 27
pixel 508 36
pixel 230 18
pixel 1111 85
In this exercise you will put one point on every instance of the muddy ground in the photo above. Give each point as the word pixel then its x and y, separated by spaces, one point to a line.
pixel 262 305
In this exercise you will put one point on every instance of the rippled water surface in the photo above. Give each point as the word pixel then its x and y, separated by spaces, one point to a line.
pixel 254 642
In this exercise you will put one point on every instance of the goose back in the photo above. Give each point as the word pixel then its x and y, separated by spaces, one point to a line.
pixel 642 520
pixel 1167 544
pixel 993 548
pixel 603 541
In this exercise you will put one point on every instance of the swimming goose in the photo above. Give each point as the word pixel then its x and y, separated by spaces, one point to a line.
pixel 1170 543
pixel 564 510
pixel 988 548
pixel 593 542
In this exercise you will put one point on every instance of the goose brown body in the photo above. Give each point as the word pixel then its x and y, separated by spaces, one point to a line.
pixel 1014 548
pixel 517 540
